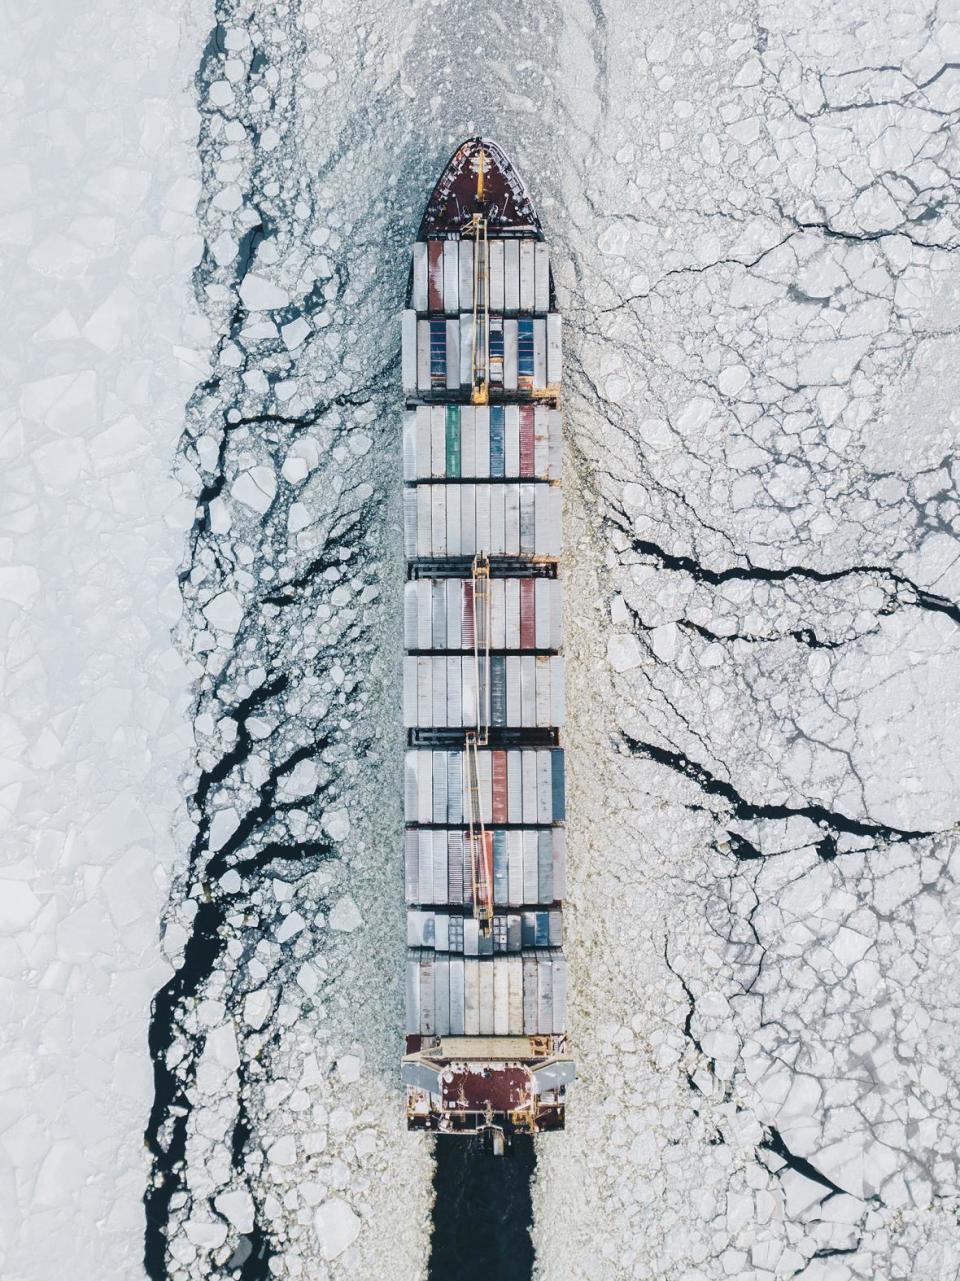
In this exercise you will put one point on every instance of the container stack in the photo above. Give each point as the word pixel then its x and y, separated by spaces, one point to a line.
pixel 481 362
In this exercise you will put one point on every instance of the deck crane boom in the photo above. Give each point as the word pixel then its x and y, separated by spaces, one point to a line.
pixel 480 347
pixel 481 841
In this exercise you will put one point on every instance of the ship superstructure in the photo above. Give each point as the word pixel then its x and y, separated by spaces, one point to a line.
pixel 485 853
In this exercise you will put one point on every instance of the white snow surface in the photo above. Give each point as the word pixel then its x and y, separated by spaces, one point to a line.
pixel 753 216
pixel 101 345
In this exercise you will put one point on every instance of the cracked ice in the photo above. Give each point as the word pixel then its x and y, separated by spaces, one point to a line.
pixel 753 212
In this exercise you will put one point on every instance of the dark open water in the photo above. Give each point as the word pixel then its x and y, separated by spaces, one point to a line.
pixel 482 1215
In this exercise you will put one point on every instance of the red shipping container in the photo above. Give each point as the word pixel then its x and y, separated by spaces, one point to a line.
pixel 435 275
pixel 499 772
pixel 528 616
pixel 527 439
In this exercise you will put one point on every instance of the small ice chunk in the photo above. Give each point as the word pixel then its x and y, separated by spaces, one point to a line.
pixel 255 488
pixel 624 652
pixel 348 1068
pixel 336 1226
pixel 225 822
pixel 18 906
pixel 283 1151
pixel 291 926
pixel 204 1232
pixel 256 1007
pixel 345 915
pixel 295 333
pixel 259 294
pixel 224 612
pixel 294 471
pixel 336 824
pixel 237 1206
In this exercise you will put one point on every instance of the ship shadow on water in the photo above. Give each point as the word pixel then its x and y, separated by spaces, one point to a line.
pixel 482 1213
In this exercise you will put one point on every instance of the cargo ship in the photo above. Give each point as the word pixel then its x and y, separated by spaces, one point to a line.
pixel 483 689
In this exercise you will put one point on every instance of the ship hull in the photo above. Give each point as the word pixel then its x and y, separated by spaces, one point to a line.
pixel 484 844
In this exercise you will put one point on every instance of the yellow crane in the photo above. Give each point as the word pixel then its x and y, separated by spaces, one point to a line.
pixel 480 347
pixel 481 850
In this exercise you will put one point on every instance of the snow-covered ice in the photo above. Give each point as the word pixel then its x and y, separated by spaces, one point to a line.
pixel 206 217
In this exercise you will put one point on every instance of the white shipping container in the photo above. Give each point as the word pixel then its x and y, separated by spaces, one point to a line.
pixel 544 786
pixel 543 690
pixel 515 868
pixel 529 787
pixel 424 543
pixel 511 275
pixel 545 981
pixel 559 994
pixel 497 531
pixel 409 445
pixel 557 692
pixel 530 995
pixel 424 692
pixel 413 995
pixel 528 524
pixel 559 863
pixel 543 591
pixel 420 276
pixel 471 999
pixel 451 276
pixel 511 440
pixel 554 350
pixel 539 354
pixel 515 787
pixel 408 351
pixel 527 275
pixel 542 278
pixel 455 804
pixel 530 868
pixel 541 442
pixel 483 441
pixel 456 996
pixel 411 866
pixel 426 997
pixel 556 445
pixel 468 520
pixel 486 998
pixel 483 518
pixel 512 620
pixel 424 449
pixel 498 588
pixel 441 995
pixel 438 767
pixel 454 521
pixel 466 350
pixel 469 674
pixel 466 275
pixel 438 519
pixel 454 717
pixel 410 691
pixel 453 354
pixel 501 997
pixel 511 520
pixel 468 441
pixel 423 355
pixel 438 674
pixel 496 275
pixel 515 995
pixel 410 523
pixel 452 593
pixel 471 927
pixel 513 692
pixel 510 352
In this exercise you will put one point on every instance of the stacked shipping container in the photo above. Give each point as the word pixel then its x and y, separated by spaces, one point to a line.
pixel 482 460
